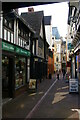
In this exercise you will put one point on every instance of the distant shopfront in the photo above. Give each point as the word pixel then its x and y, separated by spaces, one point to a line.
pixel 15 69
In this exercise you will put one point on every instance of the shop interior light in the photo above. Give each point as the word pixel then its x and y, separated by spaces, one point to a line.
pixel 6 57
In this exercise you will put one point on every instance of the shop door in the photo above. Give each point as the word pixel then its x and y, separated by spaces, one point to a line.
pixel 7 77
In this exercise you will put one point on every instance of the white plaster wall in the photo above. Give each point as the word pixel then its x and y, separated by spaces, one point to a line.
pixel 48 31
pixel 41 31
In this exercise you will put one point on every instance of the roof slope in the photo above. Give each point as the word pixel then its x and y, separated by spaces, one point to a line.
pixel 34 19
pixel 47 20
pixel 55 32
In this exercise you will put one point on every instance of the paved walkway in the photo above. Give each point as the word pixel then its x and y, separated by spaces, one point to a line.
pixel 55 102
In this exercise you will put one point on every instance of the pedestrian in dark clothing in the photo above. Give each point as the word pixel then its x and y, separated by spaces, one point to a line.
pixel 58 75
pixel 63 74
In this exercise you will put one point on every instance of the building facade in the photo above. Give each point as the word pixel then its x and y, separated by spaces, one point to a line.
pixel 48 30
pixel 74 22
pixel 38 45
pixel 15 54
pixel 63 56
pixel 57 42
pixel 50 64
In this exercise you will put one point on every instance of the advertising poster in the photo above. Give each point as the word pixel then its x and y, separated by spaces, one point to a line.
pixel 32 84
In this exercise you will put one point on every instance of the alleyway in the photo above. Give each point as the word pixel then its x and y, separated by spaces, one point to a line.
pixel 52 100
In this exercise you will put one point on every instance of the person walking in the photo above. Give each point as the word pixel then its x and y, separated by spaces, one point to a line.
pixel 63 74
pixel 58 75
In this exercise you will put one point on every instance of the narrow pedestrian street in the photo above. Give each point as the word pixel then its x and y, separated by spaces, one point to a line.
pixel 40 60
pixel 52 100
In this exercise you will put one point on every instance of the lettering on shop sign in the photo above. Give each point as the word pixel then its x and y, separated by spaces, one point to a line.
pixel 12 48
pixel 6 46
pixel 21 51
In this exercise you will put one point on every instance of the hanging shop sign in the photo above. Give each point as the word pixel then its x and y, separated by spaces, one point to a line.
pixel 8 47
pixel 70 46
pixel 12 48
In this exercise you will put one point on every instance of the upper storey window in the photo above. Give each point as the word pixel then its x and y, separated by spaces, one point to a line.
pixel 8 24
pixel 5 21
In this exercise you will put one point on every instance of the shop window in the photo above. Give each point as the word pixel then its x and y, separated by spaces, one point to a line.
pixel 20 70
pixel 21 32
pixel 10 25
pixel 5 22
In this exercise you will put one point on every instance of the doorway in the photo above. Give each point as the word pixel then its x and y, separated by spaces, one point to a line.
pixel 7 75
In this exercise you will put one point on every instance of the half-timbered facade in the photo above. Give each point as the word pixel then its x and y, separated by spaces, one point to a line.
pixel 38 56
pixel 15 54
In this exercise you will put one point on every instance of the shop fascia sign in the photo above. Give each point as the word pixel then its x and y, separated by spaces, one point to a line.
pixel 21 51
pixel 12 48
pixel 8 47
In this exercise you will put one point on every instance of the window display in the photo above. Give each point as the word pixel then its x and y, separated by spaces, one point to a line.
pixel 20 71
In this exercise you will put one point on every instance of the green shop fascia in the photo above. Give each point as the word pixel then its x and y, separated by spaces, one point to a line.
pixel 13 48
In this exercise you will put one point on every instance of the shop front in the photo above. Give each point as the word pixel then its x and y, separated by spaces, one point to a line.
pixel 15 75
pixel 38 69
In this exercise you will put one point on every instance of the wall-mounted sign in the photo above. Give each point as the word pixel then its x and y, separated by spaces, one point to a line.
pixel 8 47
pixel 12 48
pixel 70 46
pixel 22 51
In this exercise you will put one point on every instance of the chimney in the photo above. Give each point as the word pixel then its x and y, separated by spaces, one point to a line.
pixel 31 9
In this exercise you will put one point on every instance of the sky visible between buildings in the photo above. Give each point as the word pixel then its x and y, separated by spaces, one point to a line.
pixel 59 13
